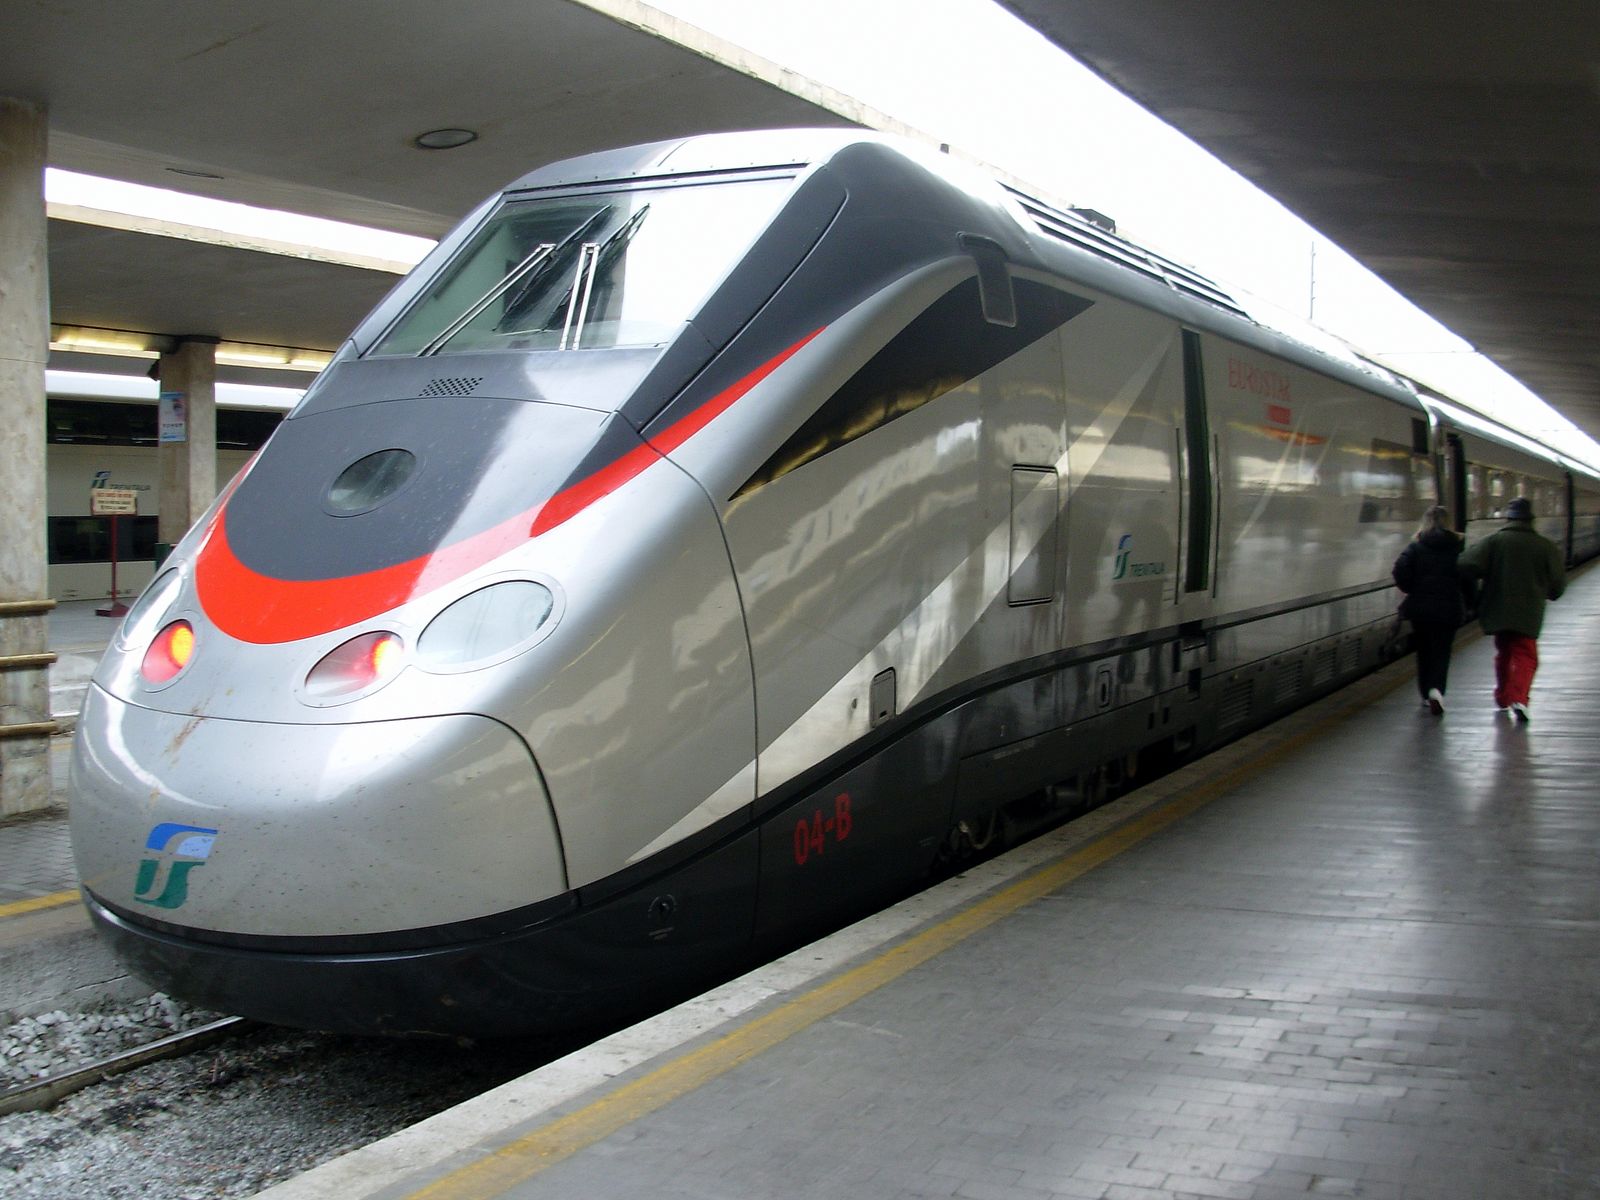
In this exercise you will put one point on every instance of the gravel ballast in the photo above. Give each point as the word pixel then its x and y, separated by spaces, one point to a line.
pixel 227 1120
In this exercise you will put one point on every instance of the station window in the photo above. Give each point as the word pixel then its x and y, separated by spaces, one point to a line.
pixel 80 538
pixel 101 423
pixel 88 539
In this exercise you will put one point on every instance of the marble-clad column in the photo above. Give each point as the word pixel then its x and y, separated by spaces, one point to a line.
pixel 188 467
pixel 24 346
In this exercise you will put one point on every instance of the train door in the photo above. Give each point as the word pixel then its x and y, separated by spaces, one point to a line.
pixel 1455 481
pixel 1123 383
pixel 1570 540
pixel 1197 491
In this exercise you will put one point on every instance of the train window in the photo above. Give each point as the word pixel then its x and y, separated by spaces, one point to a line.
pixel 1477 493
pixel 944 348
pixel 1394 484
pixel 1500 491
pixel 1547 497
pixel 589 271
pixel 1419 436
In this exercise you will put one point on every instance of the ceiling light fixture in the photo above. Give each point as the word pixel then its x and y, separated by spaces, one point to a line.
pixel 444 139
pixel 77 339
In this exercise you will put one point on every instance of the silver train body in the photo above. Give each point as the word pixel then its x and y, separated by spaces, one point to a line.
pixel 705 539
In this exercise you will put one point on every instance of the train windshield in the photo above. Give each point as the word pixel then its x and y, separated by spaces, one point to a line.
pixel 590 271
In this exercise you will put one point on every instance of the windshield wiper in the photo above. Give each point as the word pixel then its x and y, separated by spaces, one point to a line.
pixel 594 259
pixel 530 271
pixel 618 241
pixel 559 256
pixel 539 254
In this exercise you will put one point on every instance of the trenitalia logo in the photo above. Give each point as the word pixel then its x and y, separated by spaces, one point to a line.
pixel 102 479
pixel 172 852
pixel 1122 567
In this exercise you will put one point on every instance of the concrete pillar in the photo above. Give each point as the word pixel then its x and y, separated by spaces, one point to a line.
pixel 24 346
pixel 188 467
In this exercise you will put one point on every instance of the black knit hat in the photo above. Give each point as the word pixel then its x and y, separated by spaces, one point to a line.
pixel 1519 509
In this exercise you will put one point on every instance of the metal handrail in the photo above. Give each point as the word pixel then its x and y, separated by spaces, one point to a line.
pixel 12 662
pixel 25 608
pixel 30 729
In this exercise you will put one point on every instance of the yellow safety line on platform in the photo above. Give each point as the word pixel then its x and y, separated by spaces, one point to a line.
pixel 54 900
pixel 544 1147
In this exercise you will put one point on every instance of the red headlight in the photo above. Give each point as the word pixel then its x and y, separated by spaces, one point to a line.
pixel 359 664
pixel 169 653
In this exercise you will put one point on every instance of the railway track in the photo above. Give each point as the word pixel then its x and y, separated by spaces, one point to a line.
pixel 257 1105
pixel 41 1095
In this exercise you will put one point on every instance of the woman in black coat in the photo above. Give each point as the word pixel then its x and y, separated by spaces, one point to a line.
pixel 1426 573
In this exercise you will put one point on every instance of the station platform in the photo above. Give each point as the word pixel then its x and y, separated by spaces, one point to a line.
pixel 1353 954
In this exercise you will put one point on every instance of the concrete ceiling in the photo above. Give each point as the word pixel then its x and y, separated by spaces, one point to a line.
pixel 113 279
pixel 1452 148
pixel 312 105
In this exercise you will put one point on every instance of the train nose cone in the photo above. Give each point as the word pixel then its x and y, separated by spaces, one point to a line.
pixel 287 830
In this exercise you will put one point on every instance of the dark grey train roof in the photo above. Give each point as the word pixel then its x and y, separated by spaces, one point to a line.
pixel 1199 300
pixel 699 154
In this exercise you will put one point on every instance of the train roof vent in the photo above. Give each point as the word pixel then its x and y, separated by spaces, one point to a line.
pixel 1076 230
pixel 458 385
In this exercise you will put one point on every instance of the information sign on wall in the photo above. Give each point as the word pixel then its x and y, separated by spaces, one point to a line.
pixel 174 417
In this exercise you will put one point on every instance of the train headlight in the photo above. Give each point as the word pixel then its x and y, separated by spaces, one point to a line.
pixel 360 665
pixel 486 626
pixel 169 653
pixel 143 619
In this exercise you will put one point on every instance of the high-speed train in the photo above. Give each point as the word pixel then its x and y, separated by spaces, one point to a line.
pixel 704 541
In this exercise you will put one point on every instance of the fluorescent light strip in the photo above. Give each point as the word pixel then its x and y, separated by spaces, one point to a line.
pixel 85 385
pixel 116 204
pixel 81 339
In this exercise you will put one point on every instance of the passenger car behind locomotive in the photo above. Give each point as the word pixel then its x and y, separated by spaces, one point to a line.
pixel 702 540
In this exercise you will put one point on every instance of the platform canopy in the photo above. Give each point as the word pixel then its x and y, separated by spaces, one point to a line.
pixel 1453 148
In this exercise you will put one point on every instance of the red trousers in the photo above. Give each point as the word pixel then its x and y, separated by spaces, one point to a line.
pixel 1516 658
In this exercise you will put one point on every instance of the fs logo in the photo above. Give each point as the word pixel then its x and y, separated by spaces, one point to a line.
pixel 102 479
pixel 1123 566
pixel 172 851
pixel 1119 567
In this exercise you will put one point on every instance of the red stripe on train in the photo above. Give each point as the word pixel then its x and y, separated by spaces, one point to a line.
pixel 253 607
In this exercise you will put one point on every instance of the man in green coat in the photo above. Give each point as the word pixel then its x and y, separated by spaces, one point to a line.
pixel 1520 571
